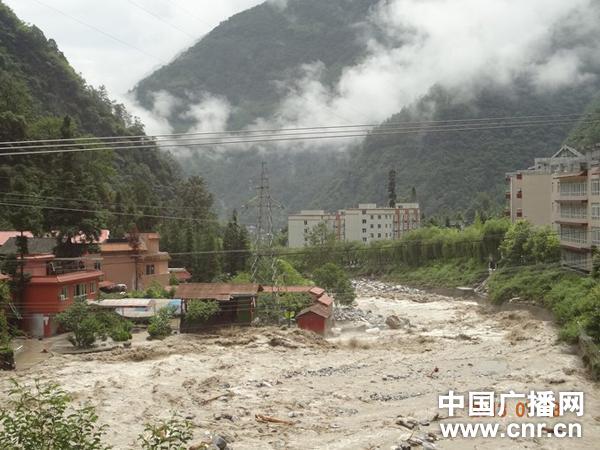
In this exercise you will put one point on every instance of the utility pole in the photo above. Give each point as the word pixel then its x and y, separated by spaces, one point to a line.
pixel 264 256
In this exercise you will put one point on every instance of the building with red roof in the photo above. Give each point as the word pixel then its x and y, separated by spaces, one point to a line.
pixel 52 286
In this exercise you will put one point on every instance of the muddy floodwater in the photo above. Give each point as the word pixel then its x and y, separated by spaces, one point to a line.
pixel 351 391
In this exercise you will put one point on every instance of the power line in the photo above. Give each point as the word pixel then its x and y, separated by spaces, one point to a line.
pixel 114 38
pixel 58 208
pixel 299 138
pixel 157 17
pixel 278 130
pixel 98 202
pixel 190 137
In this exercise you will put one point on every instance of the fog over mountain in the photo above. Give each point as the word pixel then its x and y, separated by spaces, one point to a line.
pixel 411 46
pixel 310 63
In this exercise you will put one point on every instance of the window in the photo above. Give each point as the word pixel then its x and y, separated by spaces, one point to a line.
pixel 81 290
pixel 306 222
pixel 64 293
pixel 97 265
pixel 379 216
pixel 568 189
pixel 364 239
pixel 595 210
pixel 364 221
pixel 378 235
pixel 372 226
pixel 378 225
pixel 364 230
pixel 372 235
pixel 306 230
pixel 595 235
pixel 149 269
pixel 573 211
pixel 92 287
pixel 596 186
pixel 372 216
pixel 574 235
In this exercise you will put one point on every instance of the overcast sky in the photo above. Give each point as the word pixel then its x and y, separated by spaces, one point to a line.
pixel 147 41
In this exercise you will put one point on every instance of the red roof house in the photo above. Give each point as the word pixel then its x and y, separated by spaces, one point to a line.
pixel 52 288
pixel 317 318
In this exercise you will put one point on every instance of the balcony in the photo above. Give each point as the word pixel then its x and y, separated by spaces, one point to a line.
pixel 63 267
pixel 572 220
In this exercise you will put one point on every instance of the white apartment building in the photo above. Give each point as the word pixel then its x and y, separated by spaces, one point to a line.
pixel 301 224
pixel 366 223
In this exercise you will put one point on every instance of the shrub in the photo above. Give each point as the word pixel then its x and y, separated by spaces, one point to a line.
pixel 172 434
pixel 201 311
pixel 272 309
pixel 42 417
pixel 80 320
pixel 120 334
pixel 335 280
pixel 160 324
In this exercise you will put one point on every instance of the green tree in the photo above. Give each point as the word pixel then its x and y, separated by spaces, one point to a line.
pixel 524 244
pixel 335 280
pixel 236 243
pixel 160 324
pixel 80 320
pixel 413 195
pixel 392 197
pixel 201 311
pixel 43 418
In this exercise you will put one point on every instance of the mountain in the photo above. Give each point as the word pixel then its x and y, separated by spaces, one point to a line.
pixel 246 57
pixel 449 169
pixel 42 97
pixel 249 60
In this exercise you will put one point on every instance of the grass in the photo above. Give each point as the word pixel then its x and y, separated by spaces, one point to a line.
pixel 572 298
pixel 457 272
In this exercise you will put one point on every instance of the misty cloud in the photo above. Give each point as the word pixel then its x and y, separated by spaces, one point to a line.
pixel 450 43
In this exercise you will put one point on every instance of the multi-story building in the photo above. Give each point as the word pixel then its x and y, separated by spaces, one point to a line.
pixel 52 287
pixel 366 223
pixel 577 215
pixel 562 191
pixel 529 192
pixel 301 224
pixel 135 265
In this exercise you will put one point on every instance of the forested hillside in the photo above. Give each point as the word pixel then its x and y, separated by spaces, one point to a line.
pixel 42 97
pixel 449 169
pixel 245 57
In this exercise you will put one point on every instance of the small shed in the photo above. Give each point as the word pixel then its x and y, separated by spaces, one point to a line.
pixel 139 308
pixel 317 318
pixel 236 301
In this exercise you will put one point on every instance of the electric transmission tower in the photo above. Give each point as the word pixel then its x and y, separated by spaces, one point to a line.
pixel 264 255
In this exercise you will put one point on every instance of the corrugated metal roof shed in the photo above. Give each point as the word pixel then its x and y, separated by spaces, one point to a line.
pixel 125 303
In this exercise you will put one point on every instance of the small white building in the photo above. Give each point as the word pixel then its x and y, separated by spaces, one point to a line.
pixel 366 223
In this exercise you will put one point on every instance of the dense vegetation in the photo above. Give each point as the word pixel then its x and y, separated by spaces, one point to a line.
pixel 244 61
pixel 448 168
pixel 45 417
pixel 244 57
pixel 126 191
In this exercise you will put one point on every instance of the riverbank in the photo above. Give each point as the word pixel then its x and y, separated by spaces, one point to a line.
pixel 349 391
